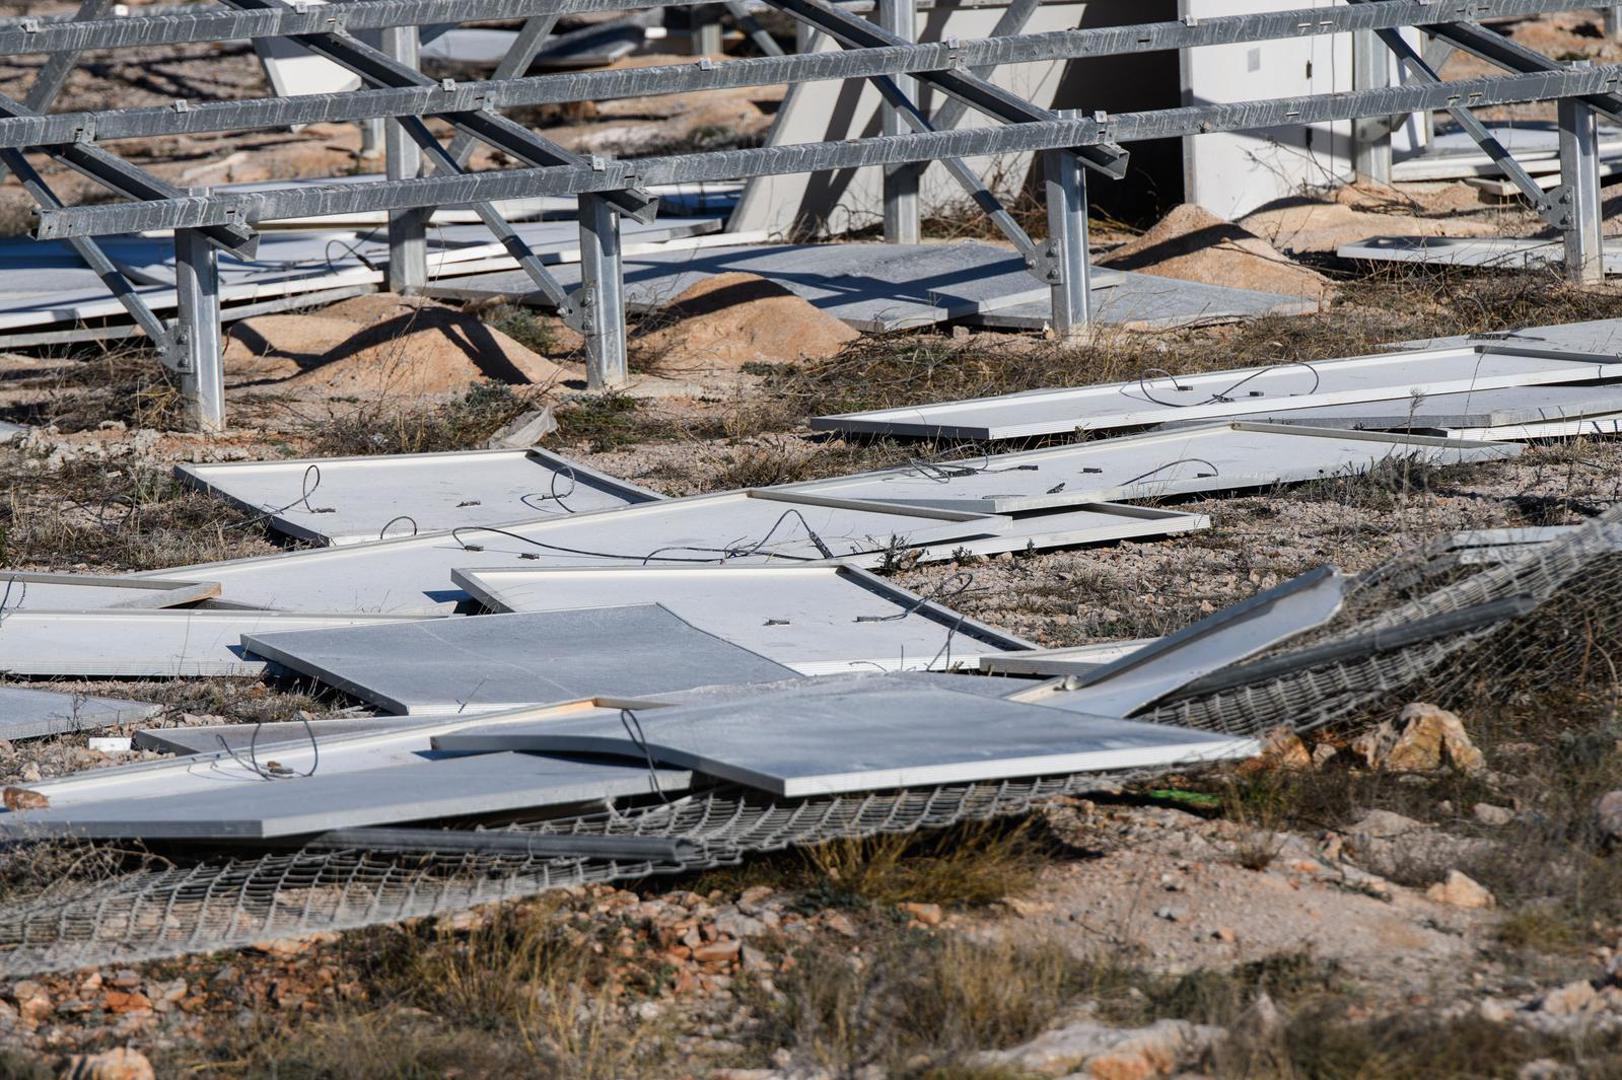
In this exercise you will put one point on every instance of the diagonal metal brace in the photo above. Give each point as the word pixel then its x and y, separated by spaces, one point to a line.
pixel 852 30
pixel 498 225
pixel 378 68
pixel 1549 205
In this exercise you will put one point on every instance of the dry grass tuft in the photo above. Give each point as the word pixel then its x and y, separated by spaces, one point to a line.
pixel 385 427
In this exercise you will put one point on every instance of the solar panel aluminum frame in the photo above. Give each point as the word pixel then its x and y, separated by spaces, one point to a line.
pixel 199 477
pixel 485 586
pixel 904 421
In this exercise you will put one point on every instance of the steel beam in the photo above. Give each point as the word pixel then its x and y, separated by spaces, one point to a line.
pixel 901 225
pixel 423 99
pixel 1068 267
pixel 853 31
pixel 1009 24
pixel 751 27
pixel 197 335
pixel 311 201
pixel 1579 193
pixel 120 176
pixel 43 35
pixel 512 138
pixel 601 299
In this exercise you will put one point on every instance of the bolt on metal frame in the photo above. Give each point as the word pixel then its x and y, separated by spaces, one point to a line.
pixel 880 51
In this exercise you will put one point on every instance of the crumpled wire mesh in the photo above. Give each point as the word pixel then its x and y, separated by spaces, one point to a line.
pixel 215 903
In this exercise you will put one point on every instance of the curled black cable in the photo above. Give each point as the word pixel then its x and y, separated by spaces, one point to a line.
pixel 5 597
pixel 1180 461
pixel 306 489
pixel 1224 394
pixel 554 496
pixel 264 773
pixel 383 533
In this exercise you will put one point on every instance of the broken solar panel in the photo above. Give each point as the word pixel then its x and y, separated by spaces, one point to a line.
pixel 28 713
pixel 1208 457
pixel 149 644
pixel 1156 398
pixel 356 499
pixel 295 805
pixel 486 662
pixel 69 592
pixel 1056 527
pixel 413 575
pixel 1145 675
pixel 814 619
pixel 816 740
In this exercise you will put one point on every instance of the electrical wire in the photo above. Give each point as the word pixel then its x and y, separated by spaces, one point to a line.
pixel 730 552
pixel 264 772
pixel 629 722
pixel 1220 396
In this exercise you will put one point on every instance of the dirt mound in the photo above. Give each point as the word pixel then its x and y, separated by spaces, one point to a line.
pixel 1359 211
pixel 380 346
pixel 733 319
pixel 1194 244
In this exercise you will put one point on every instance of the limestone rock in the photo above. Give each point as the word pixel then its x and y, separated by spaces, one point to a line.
pixel 1108 1053
pixel 1488 814
pixel 1282 749
pixel 119 1063
pixel 1570 999
pixel 1423 740
pixel 1458 890
pixel 19 798
pixel 928 914
pixel 1608 814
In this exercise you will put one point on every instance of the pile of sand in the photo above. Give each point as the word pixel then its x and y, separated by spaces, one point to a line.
pixel 1359 211
pixel 380 346
pixel 1194 244
pixel 730 320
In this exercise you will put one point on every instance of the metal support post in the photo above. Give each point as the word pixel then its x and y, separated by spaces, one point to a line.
pixel 1371 136
pixel 408 234
pixel 371 139
pixel 601 297
pixel 1068 268
pixel 197 333
pixel 900 181
pixel 704 30
pixel 1579 193
pixel 1613 22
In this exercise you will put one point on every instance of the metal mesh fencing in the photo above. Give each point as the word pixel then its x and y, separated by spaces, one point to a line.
pixel 1567 619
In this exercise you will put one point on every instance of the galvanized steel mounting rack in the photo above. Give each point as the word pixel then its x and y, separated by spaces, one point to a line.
pixel 424 174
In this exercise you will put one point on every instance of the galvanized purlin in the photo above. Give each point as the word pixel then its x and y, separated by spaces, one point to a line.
pixel 120 176
pixel 192 211
pixel 519 57
pixel 851 30
pixel 378 68
pixel 176 28
pixel 191 25
pixel 977 56
pixel 48 83
pixel 1009 23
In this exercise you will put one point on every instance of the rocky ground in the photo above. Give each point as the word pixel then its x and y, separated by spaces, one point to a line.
pixel 1441 897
